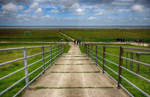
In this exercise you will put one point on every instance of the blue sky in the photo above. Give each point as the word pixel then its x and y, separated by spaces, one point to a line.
pixel 74 12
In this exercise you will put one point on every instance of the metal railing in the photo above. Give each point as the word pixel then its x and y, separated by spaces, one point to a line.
pixel 51 55
pixel 99 53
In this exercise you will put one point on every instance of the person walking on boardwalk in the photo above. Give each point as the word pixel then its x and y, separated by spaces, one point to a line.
pixel 74 42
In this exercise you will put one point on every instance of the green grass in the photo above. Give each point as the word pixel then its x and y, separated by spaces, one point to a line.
pixel 41 87
pixel 108 34
pixel 9 68
pixel 105 35
pixel 67 48
pixel 144 70
pixel 31 35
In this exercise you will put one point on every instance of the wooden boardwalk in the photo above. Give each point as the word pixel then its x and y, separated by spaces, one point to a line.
pixel 74 75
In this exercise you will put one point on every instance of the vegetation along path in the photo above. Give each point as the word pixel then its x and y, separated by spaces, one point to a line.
pixel 74 75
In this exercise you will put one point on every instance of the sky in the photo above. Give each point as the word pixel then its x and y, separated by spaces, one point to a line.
pixel 74 12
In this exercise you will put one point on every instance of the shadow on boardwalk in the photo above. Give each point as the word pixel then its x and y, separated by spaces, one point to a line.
pixel 74 75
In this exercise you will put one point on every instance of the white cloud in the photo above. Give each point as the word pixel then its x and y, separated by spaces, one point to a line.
pixel 137 8
pixel 91 18
pixel 99 13
pixel 10 8
pixel 32 7
pixel 80 11
pixel 124 10
pixel 47 16
pixel 39 11
pixel 54 11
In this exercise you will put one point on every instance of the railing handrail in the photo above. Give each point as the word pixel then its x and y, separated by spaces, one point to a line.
pixel 55 51
pixel 89 50
pixel 133 48
pixel 28 47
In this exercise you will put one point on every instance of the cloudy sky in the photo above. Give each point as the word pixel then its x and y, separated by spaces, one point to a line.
pixel 74 12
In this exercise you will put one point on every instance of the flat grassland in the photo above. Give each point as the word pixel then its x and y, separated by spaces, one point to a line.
pixel 109 35
pixel 31 35
pixel 94 35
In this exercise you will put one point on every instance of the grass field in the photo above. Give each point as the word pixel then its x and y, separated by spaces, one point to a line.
pixel 144 70
pixel 11 67
pixel 82 34
pixel 108 34
pixel 31 35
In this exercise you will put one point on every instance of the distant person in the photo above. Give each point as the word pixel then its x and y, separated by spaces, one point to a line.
pixel 74 42
pixel 79 42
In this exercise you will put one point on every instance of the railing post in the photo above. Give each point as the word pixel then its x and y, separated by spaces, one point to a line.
pixel 120 66
pixel 50 54
pixel 55 51
pixel 138 64
pixel 104 49
pixel 63 48
pixel 126 60
pixel 43 59
pixel 26 67
pixel 131 62
pixel 92 51
pixel 96 55
pixel 87 48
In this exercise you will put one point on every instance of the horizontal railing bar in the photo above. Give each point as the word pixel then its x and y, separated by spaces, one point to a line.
pixel 1 64
pixel 144 49
pixel 34 55
pixel 20 90
pixel 35 70
pixel 12 73
pixel 129 70
pixel 21 68
pixel 1 93
pixel 146 64
pixel 136 74
pixel 19 48
pixel 135 86
pixel 18 59
pixel 5 90
pixel 111 54
pixel 50 65
pixel 126 90
pixel 32 80
pixel 116 82
pixel 142 53
pixel 111 69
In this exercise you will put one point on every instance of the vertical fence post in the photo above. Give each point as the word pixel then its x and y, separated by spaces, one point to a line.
pixel 92 51
pixel 87 49
pixel 126 60
pixel 131 62
pixel 43 59
pixel 50 54
pixel 138 64
pixel 96 55
pixel 61 48
pixel 26 67
pixel 55 51
pixel 104 49
pixel 120 66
